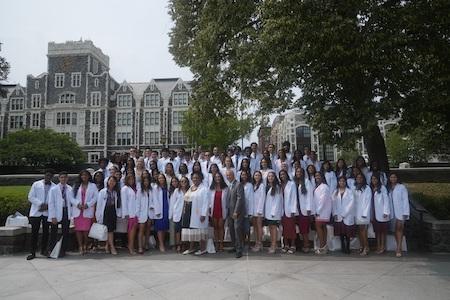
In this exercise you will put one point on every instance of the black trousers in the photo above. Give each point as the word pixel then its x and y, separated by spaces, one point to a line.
pixel 65 222
pixel 35 225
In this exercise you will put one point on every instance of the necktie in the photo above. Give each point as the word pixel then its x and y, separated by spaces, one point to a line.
pixel 64 195
pixel 237 160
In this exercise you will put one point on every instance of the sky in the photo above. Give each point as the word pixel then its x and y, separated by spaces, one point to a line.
pixel 133 33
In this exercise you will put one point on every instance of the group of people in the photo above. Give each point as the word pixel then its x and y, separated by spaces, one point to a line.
pixel 198 196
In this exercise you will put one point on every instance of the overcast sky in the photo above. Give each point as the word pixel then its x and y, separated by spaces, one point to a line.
pixel 133 33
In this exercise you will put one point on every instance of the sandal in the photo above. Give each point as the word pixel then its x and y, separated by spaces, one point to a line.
pixel 398 254
pixel 271 250
pixel 292 250
pixel 284 249
pixel 113 251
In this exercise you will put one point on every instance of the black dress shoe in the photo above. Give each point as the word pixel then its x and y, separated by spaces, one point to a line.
pixel 232 250
pixel 238 254
pixel 31 256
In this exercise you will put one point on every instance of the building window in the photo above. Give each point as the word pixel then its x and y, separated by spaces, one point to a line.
pixel 76 79
pixel 66 118
pixel 124 119
pixel 35 100
pixel 95 117
pixel 95 98
pixel 152 87
pixel 178 138
pixel 96 82
pixel 180 99
pixel 35 118
pixel 59 80
pixel 94 66
pixel 16 104
pixel 151 100
pixel 177 117
pixel 124 100
pixel 124 138
pixel 16 122
pixel 151 138
pixel 151 118
pixel 93 157
pixel 95 138
pixel 67 98
pixel 36 85
pixel 180 86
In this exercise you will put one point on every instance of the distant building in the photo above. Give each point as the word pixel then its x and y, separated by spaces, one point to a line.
pixel 77 96
pixel 264 137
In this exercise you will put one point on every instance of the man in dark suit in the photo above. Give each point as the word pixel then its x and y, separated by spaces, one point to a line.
pixel 236 204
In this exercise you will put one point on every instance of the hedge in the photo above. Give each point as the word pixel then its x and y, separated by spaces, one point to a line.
pixel 12 199
pixel 435 197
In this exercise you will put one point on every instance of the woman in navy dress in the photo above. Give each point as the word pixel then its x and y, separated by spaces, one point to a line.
pixel 162 224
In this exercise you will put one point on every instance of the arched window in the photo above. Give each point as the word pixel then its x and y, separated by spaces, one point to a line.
pixel 67 98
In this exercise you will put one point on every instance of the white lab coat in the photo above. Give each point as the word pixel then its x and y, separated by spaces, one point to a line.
pixel 176 204
pixel 351 183
pixel 330 177
pixel 273 209
pixel 200 204
pixel 290 199
pixel 249 198
pixel 383 177
pixel 36 197
pixel 143 201
pixel 382 205
pixel 259 199
pixel 400 202
pixel 344 206
pixel 363 199
pixel 306 200
pixel 156 203
pixel 162 162
pixel 278 163
pixel 264 174
pixel 102 198
pixel 128 198
pixel 91 199
pixel 55 203
pixel 225 205
pixel 239 160
pixel 322 202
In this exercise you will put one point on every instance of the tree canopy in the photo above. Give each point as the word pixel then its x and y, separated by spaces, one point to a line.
pixel 354 61
pixel 39 148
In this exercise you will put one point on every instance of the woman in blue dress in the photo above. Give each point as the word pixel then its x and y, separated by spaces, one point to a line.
pixel 162 221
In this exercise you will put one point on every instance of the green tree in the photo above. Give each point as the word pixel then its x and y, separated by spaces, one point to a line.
pixel 354 61
pixel 403 148
pixel 4 71
pixel 39 148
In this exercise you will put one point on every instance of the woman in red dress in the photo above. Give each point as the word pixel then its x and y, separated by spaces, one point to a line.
pixel 219 208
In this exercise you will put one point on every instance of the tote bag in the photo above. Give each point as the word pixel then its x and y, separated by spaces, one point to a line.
pixel 98 232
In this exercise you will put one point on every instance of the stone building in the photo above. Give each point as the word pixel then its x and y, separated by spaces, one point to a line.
pixel 78 96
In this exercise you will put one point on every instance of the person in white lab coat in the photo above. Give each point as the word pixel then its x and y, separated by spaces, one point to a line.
pixel 380 211
pixel 363 196
pixel 195 216
pixel 273 209
pixel 322 207
pixel 341 168
pixel 60 212
pixel 259 198
pixel 128 197
pixel 305 190
pixel 38 197
pixel 218 195
pixel 290 208
pixel 282 159
pixel 361 164
pixel 176 209
pixel 330 175
pixel 108 210
pixel 228 165
pixel 344 214
pixel 265 169
pixel 83 201
pixel 143 203
pixel 374 168
pixel 400 208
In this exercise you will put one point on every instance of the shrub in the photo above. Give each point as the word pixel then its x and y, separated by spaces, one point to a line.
pixel 435 197
pixel 12 199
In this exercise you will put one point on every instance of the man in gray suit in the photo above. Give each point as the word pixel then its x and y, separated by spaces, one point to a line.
pixel 236 202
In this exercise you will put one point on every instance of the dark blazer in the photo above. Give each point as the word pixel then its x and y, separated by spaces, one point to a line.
pixel 236 199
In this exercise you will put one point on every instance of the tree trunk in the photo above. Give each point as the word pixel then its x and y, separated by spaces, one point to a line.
pixel 375 146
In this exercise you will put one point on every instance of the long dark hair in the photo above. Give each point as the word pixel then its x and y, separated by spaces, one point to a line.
pixel 307 172
pixel 116 189
pixel 171 188
pixel 361 187
pixel 276 184
pixel 248 164
pixel 344 168
pixel 389 185
pixel 222 183
pixel 256 185
pixel 300 181
pixel 101 184
pixel 78 182
pixel 337 187
pixel 149 184
pixel 378 187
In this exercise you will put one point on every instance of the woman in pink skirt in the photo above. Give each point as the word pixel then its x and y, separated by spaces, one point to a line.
pixel 83 208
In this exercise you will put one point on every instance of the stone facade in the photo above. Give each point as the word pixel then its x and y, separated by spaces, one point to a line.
pixel 77 96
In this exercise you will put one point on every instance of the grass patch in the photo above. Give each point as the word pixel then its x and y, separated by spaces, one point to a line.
pixel 12 199
pixel 435 197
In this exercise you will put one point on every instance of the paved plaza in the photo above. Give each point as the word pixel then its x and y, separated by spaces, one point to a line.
pixel 221 276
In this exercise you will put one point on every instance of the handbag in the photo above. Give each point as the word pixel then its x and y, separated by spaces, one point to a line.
pixel 98 232
pixel 210 246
